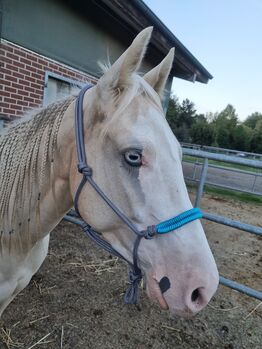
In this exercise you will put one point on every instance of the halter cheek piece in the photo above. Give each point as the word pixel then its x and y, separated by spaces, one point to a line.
pixel 135 273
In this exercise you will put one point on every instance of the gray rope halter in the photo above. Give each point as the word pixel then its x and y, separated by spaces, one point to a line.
pixel 135 273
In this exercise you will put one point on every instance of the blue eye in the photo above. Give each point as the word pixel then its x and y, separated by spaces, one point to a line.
pixel 133 157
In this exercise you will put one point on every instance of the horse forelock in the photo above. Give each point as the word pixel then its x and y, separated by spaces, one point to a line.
pixel 122 99
pixel 22 171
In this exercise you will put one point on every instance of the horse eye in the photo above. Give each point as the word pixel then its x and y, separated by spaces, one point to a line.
pixel 133 157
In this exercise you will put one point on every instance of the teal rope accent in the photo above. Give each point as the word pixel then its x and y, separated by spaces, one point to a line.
pixel 178 221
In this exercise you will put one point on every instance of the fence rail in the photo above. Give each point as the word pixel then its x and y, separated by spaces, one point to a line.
pixel 244 180
pixel 227 151
pixel 221 219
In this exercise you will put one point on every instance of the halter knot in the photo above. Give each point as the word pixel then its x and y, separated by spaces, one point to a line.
pixel 132 293
pixel 85 169
pixel 149 232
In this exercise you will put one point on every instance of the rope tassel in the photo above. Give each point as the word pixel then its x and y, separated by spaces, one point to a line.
pixel 132 292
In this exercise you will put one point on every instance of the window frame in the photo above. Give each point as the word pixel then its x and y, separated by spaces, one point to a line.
pixel 49 74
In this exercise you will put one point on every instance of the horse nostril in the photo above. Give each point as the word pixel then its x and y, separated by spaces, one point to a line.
pixel 164 284
pixel 195 295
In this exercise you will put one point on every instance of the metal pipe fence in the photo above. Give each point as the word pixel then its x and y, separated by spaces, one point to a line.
pixel 254 178
pixel 227 151
pixel 221 219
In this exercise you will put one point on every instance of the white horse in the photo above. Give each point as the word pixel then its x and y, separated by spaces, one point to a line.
pixel 136 160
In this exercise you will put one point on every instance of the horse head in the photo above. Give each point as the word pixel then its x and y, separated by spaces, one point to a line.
pixel 136 160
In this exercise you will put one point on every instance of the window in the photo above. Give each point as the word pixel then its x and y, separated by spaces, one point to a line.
pixel 57 87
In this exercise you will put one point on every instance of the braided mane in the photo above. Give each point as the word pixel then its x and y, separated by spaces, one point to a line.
pixel 26 157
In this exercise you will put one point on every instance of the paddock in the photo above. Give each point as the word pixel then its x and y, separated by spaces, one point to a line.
pixel 76 298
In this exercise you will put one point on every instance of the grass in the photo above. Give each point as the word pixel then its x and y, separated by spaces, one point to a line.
pixel 244 197
pixel 221 163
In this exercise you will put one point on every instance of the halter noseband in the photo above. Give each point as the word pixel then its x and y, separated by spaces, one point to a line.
pixel 135 273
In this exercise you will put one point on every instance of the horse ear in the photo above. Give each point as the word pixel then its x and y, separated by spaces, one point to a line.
pixel 157 77
pixel 119 73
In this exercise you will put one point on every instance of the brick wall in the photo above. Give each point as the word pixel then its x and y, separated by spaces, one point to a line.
pixel 22 79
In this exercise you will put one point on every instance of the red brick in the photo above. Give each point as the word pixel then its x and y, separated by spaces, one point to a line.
pixel 5 71
pixel 29 99
pixel 23 71
pixel 37 86
pixel 24 82
pixel 5 105
pixel 9 48
pixel 5 82
pixel 37 65
pixel 8 110
pixel 17 96
pixel 33 105
pixel 29 78
pixel 11 55
pixel 32 56
pixel 34 95
pixel 25 61
pixel 37 76
pixel 7 60
pixel 11 67
pixel 10 100
pixel 42 61
pixel 16 107
pixel 40 82
pixel 19 65
pixel 17 86
pixel 24 93
pixel 5 93
pixel 52 66
pixel 10 89
pixel 18 75
pixel 10 78
pixel 20 53
pixel 32 69
pixel 26 104
pixel 64 71
pixel 34 90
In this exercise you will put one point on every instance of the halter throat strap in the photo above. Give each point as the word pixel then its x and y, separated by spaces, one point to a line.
pixel 135 273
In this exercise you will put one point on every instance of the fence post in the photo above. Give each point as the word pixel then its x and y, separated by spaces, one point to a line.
pixel 254 183
pixel 201 183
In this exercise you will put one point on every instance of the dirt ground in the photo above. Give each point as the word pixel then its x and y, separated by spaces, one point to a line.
pixel 75 300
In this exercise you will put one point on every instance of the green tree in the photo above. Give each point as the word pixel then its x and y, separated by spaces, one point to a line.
pixel 173 111
pixel 224 124
pixel 222 138
pixel 202 133
pixel 181 117
pixel 241 135
pixel 252 120
pixel 256 139
pixel 187 112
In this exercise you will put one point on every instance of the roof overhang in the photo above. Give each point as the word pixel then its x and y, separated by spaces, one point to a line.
pixel 136 15
pixel 125 19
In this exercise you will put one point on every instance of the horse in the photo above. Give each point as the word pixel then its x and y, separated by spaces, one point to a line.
pixel 135 158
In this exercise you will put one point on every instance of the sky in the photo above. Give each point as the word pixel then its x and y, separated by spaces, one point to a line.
pixel 226 37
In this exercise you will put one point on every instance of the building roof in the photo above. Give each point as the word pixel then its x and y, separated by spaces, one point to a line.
pixel 135 15
pixel 77 33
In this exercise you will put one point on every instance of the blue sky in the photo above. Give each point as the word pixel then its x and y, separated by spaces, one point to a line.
pixel 226 37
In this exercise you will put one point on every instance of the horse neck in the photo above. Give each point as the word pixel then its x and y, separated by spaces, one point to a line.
pixel 39 200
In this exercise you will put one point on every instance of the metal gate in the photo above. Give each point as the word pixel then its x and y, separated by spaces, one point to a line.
pixel 221 219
